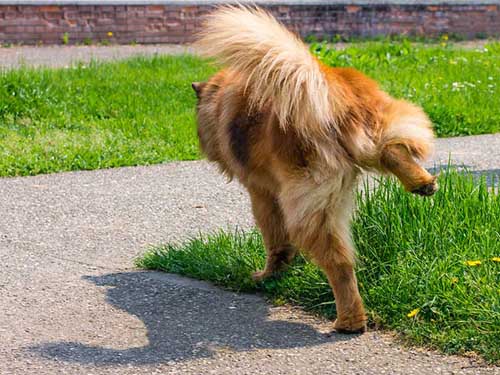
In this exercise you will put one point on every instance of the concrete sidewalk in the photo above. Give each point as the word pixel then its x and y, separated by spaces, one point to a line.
pixel 72 302
pixel 64 56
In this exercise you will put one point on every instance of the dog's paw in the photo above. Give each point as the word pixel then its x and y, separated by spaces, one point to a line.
pixel 349 327
pixel 259 276
pixel 427 189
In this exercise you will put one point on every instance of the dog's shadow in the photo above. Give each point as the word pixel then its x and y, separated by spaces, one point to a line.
pixel 186 322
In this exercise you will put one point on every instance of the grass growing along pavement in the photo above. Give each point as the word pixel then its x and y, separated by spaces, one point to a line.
pixel 141 111
pixel 428 268
pixel 138 111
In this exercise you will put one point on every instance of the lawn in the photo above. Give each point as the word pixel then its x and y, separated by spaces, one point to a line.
pixel 428 269
pixel 134 112
pixel 141 111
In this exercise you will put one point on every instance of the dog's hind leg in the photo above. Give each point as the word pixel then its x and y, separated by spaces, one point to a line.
pixel 335 256
pixel 323 231
pixel 335 261
pixel 269 219
pixel 397 159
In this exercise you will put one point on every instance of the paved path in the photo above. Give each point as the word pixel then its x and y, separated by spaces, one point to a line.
pixel 73 303
pixel 64 56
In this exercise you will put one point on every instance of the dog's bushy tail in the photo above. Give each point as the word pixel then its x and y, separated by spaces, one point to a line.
pixel 276 64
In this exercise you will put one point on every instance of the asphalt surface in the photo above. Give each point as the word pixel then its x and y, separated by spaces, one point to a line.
pixel 73 303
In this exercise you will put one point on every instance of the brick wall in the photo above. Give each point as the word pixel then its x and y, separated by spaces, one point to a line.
pixel 175 23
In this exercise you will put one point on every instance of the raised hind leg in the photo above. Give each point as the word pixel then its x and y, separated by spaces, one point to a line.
pixel 414 178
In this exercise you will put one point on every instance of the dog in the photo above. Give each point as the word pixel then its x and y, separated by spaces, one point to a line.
pixel 297 134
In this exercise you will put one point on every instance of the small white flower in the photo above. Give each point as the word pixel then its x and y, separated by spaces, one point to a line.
pixel 456 86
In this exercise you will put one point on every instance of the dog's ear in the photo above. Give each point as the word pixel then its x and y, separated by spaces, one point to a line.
pixel 198 87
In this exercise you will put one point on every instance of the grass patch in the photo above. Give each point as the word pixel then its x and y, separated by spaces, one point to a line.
pixel 141 111
pixel 138 111
pixel 414 255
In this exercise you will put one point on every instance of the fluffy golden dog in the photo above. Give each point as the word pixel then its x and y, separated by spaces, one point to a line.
pixel 296 134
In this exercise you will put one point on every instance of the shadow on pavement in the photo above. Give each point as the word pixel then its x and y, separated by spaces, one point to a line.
pixel 185 322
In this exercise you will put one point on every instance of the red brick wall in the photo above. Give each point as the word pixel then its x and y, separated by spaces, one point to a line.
pixel 30 24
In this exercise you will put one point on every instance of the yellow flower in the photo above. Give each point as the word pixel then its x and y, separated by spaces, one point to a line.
pixel 110 34
pixel 454 280
pixel 472 263
pixel 444 37
pixel 495 259
pixel 443 44
pixel 412 313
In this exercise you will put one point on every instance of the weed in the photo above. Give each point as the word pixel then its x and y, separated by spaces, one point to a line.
pixel 65 38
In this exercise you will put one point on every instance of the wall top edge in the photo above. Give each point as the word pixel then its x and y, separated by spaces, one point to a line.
pixel 260 2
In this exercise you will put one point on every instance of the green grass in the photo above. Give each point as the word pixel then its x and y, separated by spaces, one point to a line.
pixel 141 111
pixel 412 255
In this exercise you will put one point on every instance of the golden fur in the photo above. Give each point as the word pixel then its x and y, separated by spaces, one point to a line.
pixel 297 134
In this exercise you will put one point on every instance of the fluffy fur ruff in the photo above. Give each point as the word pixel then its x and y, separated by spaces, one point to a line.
pixel 296 134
